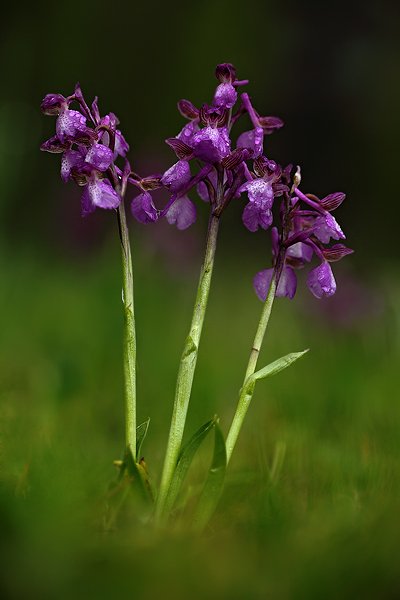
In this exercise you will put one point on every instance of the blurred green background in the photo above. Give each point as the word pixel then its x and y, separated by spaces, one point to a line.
pixel 326 524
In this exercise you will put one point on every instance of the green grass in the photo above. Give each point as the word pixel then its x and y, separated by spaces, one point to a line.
pixel 323 525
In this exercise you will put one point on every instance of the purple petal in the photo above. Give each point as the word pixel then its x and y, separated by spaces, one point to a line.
pixel 186 134
pixel 259 191
pixel 102 193
pixel 188 109
pixel 336 252
pixel 262 282
pixel 286 287
pixel 70 123
pixel 143 209
pixel 225 72
pixel 95 110
pixel 300 251
pixel 177 176
pixel 203 191
pixel 211 144
pixel 326 227
pixel 71 159
pixel 254 217
pixel 182 213
pixel 321 281
pixel 269 124
pixel 87 206
pixel 99 157
pixel 121 145
pixel 52 104
pixel 333 201
pixel 54 145
pixel 225 96
pixel 252 140
pixel 287 283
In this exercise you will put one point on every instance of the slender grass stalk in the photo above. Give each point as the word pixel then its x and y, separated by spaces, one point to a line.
pixel 187 366
pixel 129 334
pixel 246 392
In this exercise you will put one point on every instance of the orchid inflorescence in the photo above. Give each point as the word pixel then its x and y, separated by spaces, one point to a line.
pixel 222 169
pixel 89 154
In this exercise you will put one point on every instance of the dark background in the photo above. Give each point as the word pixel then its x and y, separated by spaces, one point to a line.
pixel 310 508
pixel 329 69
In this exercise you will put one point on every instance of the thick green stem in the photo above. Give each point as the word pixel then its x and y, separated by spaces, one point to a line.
pixel 129 334
pixel 246 393
pixel 187 366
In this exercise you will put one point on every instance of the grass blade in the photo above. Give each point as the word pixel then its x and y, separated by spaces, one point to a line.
pixel 184 461
pixel 214 484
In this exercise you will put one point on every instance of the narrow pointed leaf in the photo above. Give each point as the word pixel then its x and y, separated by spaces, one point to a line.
pixel 184 461
pixel 214 483
pixel 141 432
pixel 276 366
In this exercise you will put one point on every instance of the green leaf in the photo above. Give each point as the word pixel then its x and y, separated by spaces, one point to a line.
pixel 141 432
pixel 138 474
pixel 214 484
pixel 184 461
pixel 275 367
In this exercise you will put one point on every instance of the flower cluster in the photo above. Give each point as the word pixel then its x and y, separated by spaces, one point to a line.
pixel 215 163
pixel 90 145
pixel 307 226
pixel 206 144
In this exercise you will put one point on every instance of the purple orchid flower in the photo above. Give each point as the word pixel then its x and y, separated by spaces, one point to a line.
pixel 321 281
pixel 87 152
pixel 98 193
pixel 286 287
pixel 181 213
pixel 253 140
pixel 211 144
pixel 177 176
pixel 305 233
pixel 143 209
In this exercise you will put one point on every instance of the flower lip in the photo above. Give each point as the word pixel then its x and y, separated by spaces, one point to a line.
pixel 286 286
pixel 225 96
pixel 321 281
pixel 102 193
pixel 326 227
pixel 143 209
pixel 177 176
pixel 252 140
pixel 181 213
pixel 255 216
pixel 99 157
pixel 211 144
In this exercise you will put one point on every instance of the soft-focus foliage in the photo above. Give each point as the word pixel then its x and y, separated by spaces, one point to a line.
pixel 306 527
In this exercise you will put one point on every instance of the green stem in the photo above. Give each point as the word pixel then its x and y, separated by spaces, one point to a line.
pixel 187 366
pixel 129 334
pixel 246 392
